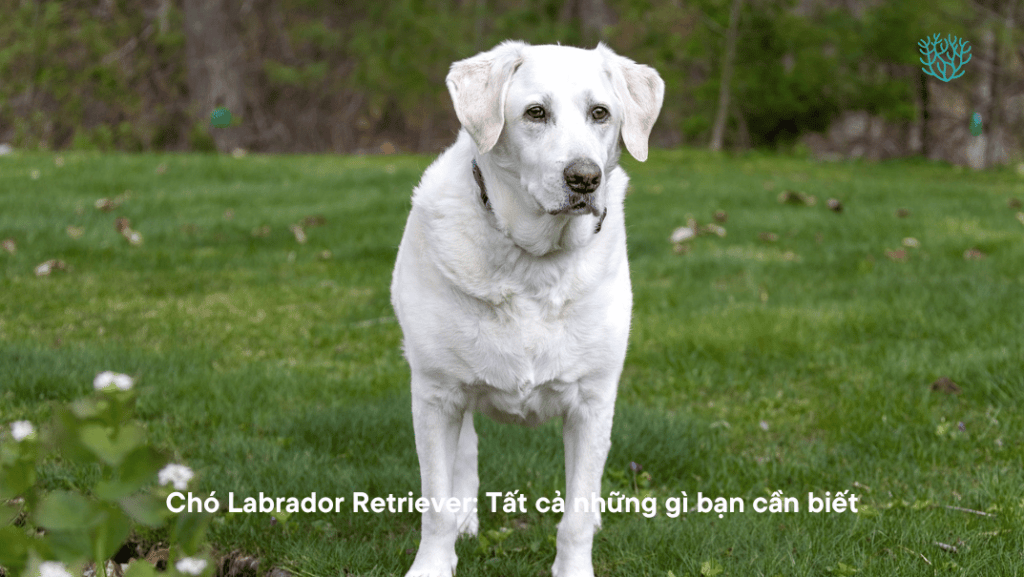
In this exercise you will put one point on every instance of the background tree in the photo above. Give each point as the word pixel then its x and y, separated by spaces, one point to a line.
pixel 368 76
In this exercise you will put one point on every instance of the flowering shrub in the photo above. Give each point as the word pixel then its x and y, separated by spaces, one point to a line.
pixel 56 534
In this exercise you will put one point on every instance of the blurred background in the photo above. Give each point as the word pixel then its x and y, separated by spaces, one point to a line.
pixel 830 78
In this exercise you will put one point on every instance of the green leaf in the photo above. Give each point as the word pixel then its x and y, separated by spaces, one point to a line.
pixel 62 510
pixel 189 531
pixel 69 546
pixel 9 512
pixel 138 470
pixel 711 568
pixel 14 546
pixel 112 448
pixel 145 509
pixel 85 408
pixel 140 568
pixel 110 533
pixel 16 478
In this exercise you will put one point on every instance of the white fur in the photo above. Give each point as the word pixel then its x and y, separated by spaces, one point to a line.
pixel 520 310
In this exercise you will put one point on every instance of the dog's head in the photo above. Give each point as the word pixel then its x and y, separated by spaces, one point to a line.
pixel 553 115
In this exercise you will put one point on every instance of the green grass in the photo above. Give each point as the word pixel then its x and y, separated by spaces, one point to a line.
pixel 798 365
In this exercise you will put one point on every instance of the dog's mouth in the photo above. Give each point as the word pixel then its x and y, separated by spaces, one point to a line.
pixel 577 205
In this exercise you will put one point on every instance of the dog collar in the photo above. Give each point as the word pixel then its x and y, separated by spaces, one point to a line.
pixel 479 177
pixel 480 182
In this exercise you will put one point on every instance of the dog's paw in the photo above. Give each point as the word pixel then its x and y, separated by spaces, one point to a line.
pixel 427 565
pixel 564 567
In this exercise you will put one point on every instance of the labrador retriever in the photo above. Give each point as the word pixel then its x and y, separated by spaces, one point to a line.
pixel 511 284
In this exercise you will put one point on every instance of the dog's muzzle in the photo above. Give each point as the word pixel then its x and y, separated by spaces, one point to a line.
pixel 582 177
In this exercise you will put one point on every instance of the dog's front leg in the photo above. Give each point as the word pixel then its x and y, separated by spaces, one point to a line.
pixel 586 431
pixel 436 424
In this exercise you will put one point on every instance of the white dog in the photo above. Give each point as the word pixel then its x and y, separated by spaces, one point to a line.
pixel 511 284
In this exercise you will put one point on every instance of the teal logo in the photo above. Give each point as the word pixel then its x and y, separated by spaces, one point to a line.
pixel 976 124
pixel 220 118
pixel 945 59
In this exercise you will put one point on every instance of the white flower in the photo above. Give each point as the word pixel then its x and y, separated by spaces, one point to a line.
pixel 53 569
pixel 21 429
pixel 109 378
pixel 177 475
pixel 191 565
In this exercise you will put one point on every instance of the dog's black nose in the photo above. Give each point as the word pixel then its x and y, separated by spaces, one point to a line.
pixel 582 175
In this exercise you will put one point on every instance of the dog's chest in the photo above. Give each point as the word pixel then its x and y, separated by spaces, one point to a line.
pixel 529 357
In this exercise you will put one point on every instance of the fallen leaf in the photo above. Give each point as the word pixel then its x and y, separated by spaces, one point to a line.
pixel 946 385
pixel 768 236
pixel 911 242
pixel 122 224
pixel 75 231
pixel 682 234
pixel 897 255
pixel 49 266
pixel 300 235
pixel 316 220
pixel 261 231
pixel 107 205
pixel 9 245
pixel 798 198
pixel 902 213
pixel 721 216
pixel 1014 203
pixel 834 205
pixel 973 254
pixel 712 229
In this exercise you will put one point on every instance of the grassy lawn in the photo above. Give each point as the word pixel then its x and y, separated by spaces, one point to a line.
pixel 796 353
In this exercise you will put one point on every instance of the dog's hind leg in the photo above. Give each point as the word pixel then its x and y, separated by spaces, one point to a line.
pixel 467 482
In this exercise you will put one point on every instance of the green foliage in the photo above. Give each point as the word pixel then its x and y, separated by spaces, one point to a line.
pixel 297 76
pixel 66 74
pixel 95 433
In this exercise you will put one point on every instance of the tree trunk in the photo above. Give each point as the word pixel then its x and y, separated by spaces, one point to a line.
pixel 724 89
pixel 213 52
pixel 922 80
pixel 998 83
pixel 593 16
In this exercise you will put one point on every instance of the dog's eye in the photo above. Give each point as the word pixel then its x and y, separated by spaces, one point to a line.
pixel 536 112
pixel 599 113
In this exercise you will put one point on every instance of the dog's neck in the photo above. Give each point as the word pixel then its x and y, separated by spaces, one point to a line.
pixel 538 233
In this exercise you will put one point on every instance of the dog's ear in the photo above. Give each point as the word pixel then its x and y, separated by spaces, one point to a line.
pixel 478 86
pixel 641 91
